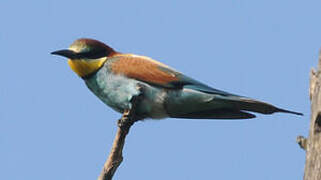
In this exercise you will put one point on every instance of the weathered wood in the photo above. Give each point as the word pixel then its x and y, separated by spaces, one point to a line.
pixel 313 142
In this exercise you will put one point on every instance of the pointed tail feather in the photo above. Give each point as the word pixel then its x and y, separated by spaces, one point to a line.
pixel 248 104
pixel 287 111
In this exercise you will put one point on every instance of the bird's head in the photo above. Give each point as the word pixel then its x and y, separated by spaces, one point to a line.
pixel 86 56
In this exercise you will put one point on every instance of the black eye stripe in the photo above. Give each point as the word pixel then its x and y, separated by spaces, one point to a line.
pixel 94 54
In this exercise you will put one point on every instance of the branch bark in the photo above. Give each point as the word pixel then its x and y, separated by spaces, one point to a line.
pixel 116 154
pixel 312 144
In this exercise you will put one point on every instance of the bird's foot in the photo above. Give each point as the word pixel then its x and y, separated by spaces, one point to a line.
pixel 129 116
pixel 126 120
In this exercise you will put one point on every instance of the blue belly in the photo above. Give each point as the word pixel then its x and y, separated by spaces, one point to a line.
pixel 117 91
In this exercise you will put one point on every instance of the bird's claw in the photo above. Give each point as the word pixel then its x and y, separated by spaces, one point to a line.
pixel 126 119
pixel 129 117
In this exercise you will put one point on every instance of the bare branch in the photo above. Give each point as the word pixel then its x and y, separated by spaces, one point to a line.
pixel 115 156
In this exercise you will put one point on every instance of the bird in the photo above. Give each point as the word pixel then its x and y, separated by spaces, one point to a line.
pixel 152 90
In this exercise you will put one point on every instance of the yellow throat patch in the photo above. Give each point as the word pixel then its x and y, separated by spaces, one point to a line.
pixel 85 67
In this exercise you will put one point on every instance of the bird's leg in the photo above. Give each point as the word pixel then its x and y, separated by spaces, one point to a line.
pixel 129 115
pixel 126 120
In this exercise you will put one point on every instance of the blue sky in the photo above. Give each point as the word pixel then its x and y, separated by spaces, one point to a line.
pixel 52 126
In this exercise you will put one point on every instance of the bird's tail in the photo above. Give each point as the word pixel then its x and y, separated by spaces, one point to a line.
pixel 233 107
pixel 221 113
pixel 247 104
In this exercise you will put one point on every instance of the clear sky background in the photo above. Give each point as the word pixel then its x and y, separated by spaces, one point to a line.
pixel 52 127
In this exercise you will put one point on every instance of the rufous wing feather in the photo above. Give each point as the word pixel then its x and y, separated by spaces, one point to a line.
pixel 144 69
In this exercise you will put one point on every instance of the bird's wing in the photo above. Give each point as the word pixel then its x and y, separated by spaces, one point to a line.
pixel 155 73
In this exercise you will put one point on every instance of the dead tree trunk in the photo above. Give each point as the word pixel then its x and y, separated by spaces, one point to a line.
pixel 312 144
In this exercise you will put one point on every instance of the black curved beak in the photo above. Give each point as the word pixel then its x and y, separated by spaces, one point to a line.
pixel 66 53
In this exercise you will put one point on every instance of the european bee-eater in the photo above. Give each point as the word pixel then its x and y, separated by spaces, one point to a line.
pixel 117 78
